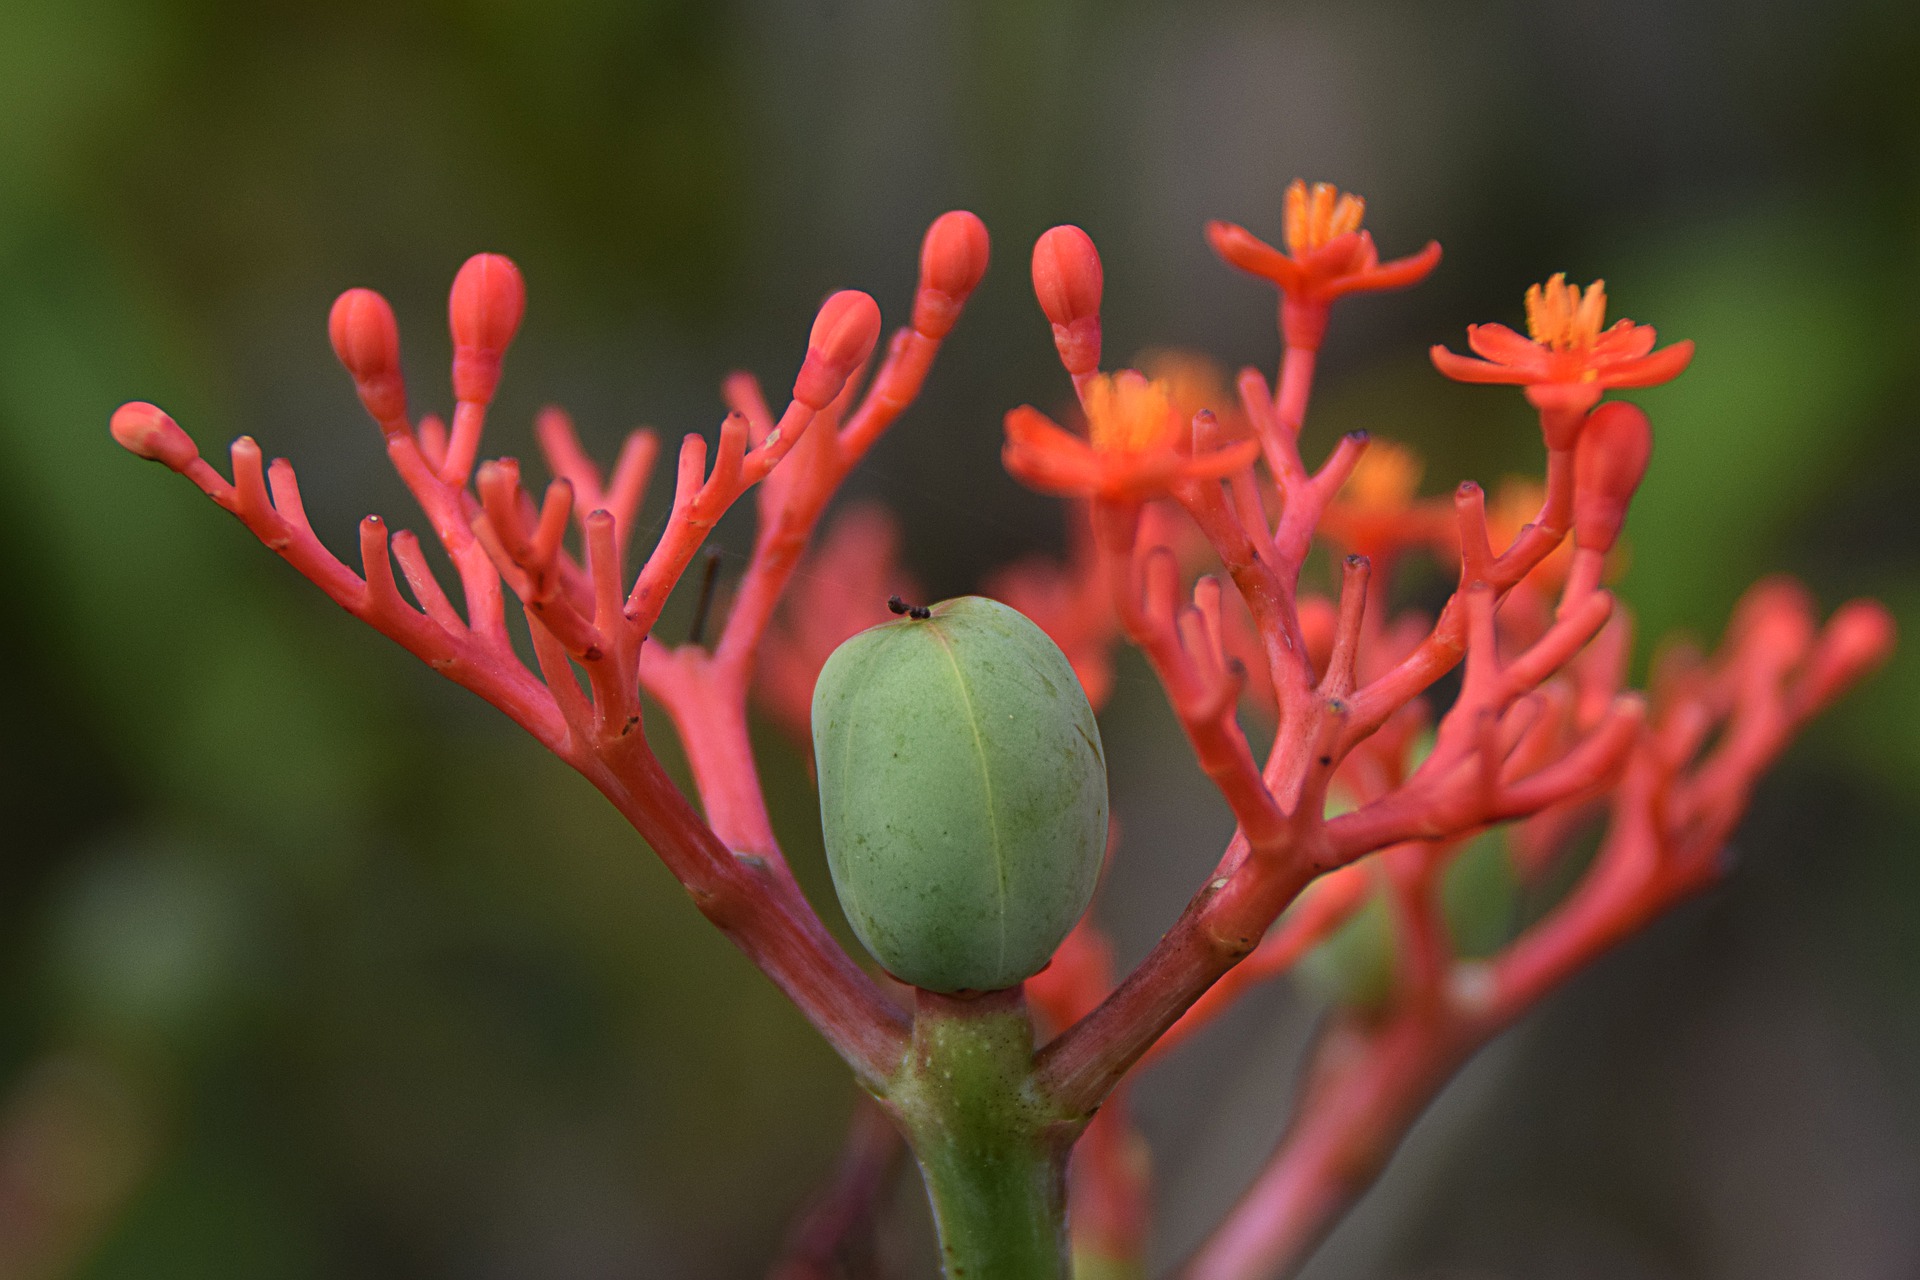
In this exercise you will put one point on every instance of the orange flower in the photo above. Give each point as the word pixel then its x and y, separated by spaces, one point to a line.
pixel 1569 361
pixel 1136 445
pixel 1328 256
pixel 1378 511
pixel 1194 382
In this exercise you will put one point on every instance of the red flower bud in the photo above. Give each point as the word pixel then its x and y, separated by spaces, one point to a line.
pixel 367 341
pixel 953 258
pixel 1067 279
pixel 484 312
pixel 146 431
pixel 843 336
pixel 1609 461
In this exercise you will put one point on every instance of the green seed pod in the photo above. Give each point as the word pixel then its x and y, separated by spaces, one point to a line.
pixel 963 794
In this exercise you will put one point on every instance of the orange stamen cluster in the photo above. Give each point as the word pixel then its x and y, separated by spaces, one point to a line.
pixel 1314 215
pixel 1562 316
pixel 1127 413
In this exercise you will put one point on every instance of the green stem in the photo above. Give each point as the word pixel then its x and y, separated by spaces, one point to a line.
pixel 992 1152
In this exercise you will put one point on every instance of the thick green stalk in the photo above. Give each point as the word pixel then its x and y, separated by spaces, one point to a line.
pixel 992 1151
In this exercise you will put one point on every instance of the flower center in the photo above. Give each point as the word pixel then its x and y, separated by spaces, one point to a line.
pixel 1128 414
pixel 1317 215
pixel 1564 317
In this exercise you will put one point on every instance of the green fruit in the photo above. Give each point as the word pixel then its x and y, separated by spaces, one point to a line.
pixel 963 794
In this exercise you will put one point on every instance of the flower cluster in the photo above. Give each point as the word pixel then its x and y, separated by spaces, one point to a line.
pixel 1357 793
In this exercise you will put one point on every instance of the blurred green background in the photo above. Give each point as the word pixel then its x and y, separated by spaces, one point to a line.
pixel 311 966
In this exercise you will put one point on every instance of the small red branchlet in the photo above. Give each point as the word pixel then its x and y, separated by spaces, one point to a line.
pixel 146 431
pixel 367 341
pixel 1610 459
pixel 1067 279
pixel 953 259
pixel 844 334
pixel 484 311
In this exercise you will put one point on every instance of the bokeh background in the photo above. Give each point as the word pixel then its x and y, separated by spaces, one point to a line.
pixel 310 966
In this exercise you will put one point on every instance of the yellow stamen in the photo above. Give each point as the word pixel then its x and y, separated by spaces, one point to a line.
pixel 1317 215
pixel 1565 317
pixel 1386 478
pixel 1128 414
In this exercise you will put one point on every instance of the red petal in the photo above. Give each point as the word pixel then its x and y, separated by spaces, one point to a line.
pixel 1503 346
pixel 1049 472
pixel 1140 475
pixel 1624 341
pixel 1650 371
pixel 1343 256
pixel 1032 429
pixel 1397 274
pixel 1466 369
pixel 1241 248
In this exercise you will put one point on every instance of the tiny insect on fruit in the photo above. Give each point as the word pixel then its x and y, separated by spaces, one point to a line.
pixel 963 793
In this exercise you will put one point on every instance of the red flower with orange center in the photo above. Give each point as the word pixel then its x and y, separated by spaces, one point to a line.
pixel 1136 445
pixel 1569 361
pixel 1328 256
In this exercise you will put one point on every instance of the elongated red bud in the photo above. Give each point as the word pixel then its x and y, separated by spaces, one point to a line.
pixel 1609 461
pixel 1067 280
pixel 843 336
pixel 367 341
pixel 146 431
pixel 953 258
pixel 484 312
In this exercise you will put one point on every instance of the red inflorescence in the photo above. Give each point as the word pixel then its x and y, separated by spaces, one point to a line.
pixel 1196 519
